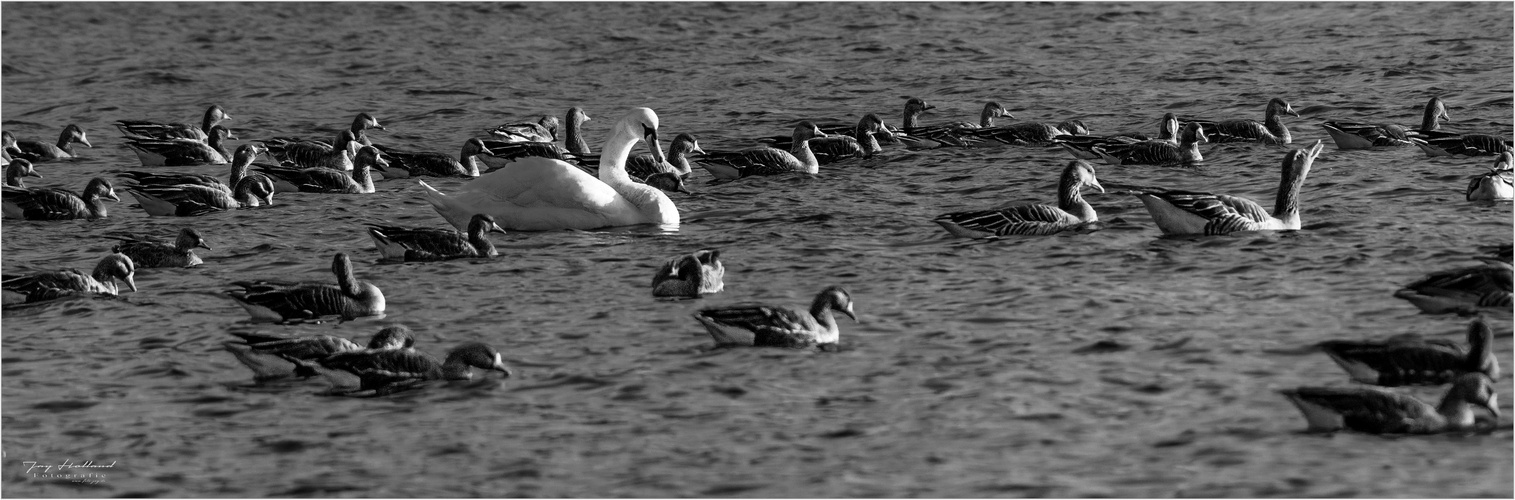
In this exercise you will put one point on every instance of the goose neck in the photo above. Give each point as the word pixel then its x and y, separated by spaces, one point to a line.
pixel 1275 125
pixel 1286 207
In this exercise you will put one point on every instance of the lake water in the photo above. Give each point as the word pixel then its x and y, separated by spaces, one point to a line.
pixel 965 376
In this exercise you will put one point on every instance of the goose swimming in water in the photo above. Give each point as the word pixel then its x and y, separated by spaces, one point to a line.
pixel 38 151
pixel 143 129
pixel 863 142
pixel 241 160
pixel 540 194
pixel 190 200
pixel 313 154
pixel 1379 411
pixel 150 254
pixel 1184 152
pixel 182 152
pixel 1270 131
pixel 770 326
pixel 59 203
pixel 1464 290
pixel 329 180
pixel 1071 210
pixel 17 169
pixel 691 275
pixel 1191 212
pixel 66 282
pixel 1028 133
pixel 275 301
pixel 1358 135
pixel 766 160
pixel 273 357
pixel 383 371
pixel 425 244
pixel 1452 143
pixel 417 164
pixel 1082 146
pixel 1415 361
pixel 545 129
pixel 1498 184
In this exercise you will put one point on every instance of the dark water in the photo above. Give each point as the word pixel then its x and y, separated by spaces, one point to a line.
pixel 962 378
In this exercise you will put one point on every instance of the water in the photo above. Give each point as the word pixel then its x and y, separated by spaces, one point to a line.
pixel 965 376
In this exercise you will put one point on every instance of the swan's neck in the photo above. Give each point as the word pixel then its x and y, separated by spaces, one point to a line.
pixel 1286 208
pixel 613 157
pixel 1275 126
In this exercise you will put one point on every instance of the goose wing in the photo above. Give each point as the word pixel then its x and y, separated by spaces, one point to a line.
pixel 1395 363
pixel 420 243
pixel 297 151
pixel 307 348
pixel 1369 134
pixel 770 326
pixel 327 180
pixel 1233 130
pixel 172 179
pixel 749 162
pixel 1477 281
pixel 424 163
pixel 142 129
pixel 834 149
pixel 305 301
pixel 383 367
pixel 175 152
pixel 1359 408
pixel 1462 144
pixel 49 284
pixel 1032 219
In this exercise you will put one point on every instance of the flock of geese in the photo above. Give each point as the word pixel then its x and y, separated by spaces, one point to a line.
pixel 523 180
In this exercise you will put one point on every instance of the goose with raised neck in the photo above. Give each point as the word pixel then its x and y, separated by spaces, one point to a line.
pixel 1191 212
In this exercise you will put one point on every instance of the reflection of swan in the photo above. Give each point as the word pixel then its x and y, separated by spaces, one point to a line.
pixel 538 194
pixel 1378 411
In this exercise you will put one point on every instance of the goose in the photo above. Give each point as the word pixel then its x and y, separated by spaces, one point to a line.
pixel 38 151
pixel 59 203
pixel 1498 184
pixel 1463 290
pixel 273 357
pixel 862 144
pixel 1270 131
pixel 189 200
pixel 1451 143
pixel 643 168
pixel 766 160
pixel 349 298
pixel 329 180
pixel 315 154
pixel 17 169
pixel 1028 133
pixel 143 129
pixel 384 371
pixel 538 194
pixel 1185 152
pixel 914 135
pixel 423 244
pixel 1414 361
pixel 241 160
pixel 10 151
pixel 416 164
pixel 1379 411
pixel 1082 146
pixel 769 326
pixel 690 275
pixel 181 152
pixel 1358 135
pixel 1071 210
pixel 1190 212
pixel 666 181
pixel 54 284
pixel 545 129
pixel 150 254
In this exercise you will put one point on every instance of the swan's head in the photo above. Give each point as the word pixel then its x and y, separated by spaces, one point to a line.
pixel 642 123
pixel 1505 160
pixel 1281 106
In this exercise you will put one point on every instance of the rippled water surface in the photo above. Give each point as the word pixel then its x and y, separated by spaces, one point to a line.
pixel 965 377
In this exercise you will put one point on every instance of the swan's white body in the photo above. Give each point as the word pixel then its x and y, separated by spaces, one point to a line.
pixel 540 194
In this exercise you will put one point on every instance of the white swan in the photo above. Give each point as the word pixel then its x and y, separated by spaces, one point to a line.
pixel 541 194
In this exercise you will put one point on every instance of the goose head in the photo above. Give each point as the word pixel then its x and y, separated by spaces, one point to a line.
pixel 685 143
pixel 253 191
pixel 550 123
pixel 1437 110
pixel 7 140
pixel 20 167
pixel 190 238
pixel 369 156
pixel 668 181
pixel 72 133
pixel 1504 162
pixel 477 355
pixel 100 187
pixel 1277 105
pixel 1073 127
pixel 219 133
pixel 392 337
pixel 914 107
pixel 1475 389
pixel 1193 133
pixel 835 298
pixel 214 115
pixel 483 223
pixel 577 116
pixel 365 121
pixel 1083 175
pixel 805 131
pixel 115 267
pixel 1169 128
pixel 993 109
pixel 1298 161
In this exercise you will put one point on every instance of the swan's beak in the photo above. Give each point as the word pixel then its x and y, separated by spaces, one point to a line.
pixel 651 136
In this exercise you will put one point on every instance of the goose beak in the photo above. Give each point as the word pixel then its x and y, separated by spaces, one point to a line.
pixel 496 228
pixel 683 189
pixel 225 117
pixel 85 141
pixel 499 366
pixel 1290 110
pixel 32 173
pixel 1095 184
pixel 485 151
pixel 132 284
pixel 111 195
pixel 1493 405
pixel 849 313
pixel 1314 150
pixel 205 246
pixel 697 150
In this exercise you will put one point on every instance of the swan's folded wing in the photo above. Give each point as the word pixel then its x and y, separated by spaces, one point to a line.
pixel 541 183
